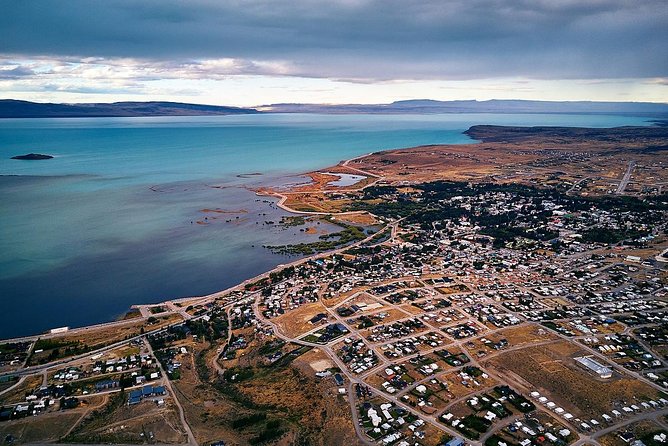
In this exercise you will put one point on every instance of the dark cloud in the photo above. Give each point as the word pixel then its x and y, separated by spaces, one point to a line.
pixel 357 39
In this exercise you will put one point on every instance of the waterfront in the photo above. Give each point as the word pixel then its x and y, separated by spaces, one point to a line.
pixel 111 220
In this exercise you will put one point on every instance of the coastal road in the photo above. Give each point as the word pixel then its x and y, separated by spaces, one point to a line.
pixel 42 368
pixel 201 300
pixel 75 331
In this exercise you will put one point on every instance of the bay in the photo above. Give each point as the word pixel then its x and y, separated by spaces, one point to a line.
pixel 111 220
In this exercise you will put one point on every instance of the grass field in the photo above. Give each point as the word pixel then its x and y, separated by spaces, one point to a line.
pixel 43 428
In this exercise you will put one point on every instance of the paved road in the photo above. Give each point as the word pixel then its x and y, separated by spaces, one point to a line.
pixel 74 331
pixel 626 178
pixel 13 386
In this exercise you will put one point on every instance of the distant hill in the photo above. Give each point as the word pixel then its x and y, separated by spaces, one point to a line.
pixel 656 135
pixel 492 106
pixel 10 108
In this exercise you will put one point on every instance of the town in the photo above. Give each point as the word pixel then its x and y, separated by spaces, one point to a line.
pixel 467 313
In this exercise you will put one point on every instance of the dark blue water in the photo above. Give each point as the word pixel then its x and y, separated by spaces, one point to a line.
pixel 107 222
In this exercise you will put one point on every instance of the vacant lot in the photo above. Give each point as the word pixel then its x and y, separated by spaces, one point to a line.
pixel 524 335
pixel 281 403
pixel 296 322
pixel 458 388
pixel 116 422
pixel 43 428
pixel 551 370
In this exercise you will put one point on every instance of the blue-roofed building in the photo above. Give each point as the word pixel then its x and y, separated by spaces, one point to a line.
pixel 147 391
pixel 342 328
pixel 339 379
pixel 457 441
pixel 134 397
pixel 159 390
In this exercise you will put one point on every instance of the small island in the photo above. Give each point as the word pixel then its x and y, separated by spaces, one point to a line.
pixel 32 157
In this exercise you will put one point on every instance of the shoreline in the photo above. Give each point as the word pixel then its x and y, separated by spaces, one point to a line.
pixel 175 304
pixel 451 155
pixel 325 187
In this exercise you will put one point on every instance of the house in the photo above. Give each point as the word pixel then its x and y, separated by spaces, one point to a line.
pixel 627 437
pixel 317 318
pixel 373 415
pixel 106 384
pixel 136 393
pixel 457 441
pixel 147 391
pixel 564 433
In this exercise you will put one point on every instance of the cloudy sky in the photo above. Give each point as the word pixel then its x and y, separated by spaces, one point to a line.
pixel 252 52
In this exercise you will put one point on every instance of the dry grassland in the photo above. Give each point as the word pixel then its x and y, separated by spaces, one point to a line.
pixel 551 370
pixel 296 322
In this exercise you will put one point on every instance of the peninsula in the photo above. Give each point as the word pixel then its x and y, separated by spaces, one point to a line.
pixel 10 108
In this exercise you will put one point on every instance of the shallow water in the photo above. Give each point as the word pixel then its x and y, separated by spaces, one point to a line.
pixel 344 179
pixel 112 220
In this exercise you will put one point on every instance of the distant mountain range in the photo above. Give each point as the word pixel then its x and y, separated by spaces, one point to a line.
pixel 492 106
pixel 10 108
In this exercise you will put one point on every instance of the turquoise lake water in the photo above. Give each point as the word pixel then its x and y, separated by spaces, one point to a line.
pixel 108 223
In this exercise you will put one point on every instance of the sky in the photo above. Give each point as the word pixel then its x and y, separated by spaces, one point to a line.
pixel 256 52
